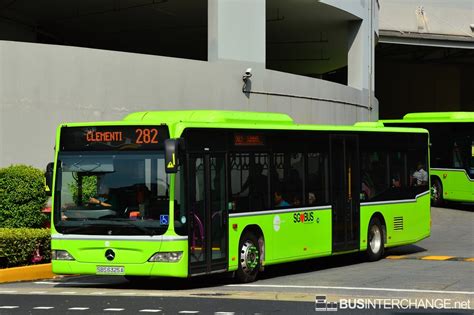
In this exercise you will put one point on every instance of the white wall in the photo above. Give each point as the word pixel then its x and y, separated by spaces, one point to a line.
pixel 447 17
pixel 44 85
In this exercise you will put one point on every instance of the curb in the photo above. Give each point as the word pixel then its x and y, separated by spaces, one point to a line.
pixel 26 273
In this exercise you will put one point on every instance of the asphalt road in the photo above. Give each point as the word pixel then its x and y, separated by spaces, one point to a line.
pixel 283 289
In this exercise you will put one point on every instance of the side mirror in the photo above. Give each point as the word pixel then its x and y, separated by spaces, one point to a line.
pixel 49 178
pixel 172 153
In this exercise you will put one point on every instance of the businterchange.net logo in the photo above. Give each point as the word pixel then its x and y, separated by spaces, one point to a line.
pixel 323 305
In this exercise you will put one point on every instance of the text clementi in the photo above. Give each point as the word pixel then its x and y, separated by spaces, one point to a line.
pixel 103 136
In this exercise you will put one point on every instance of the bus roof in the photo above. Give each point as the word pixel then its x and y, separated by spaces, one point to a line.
pixel 212 116
pixel 235 120
pixel 434 117
pixel 241 119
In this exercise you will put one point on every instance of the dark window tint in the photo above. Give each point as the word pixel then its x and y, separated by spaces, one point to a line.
pixel 287 182
pixel 249 181
pixel 317 180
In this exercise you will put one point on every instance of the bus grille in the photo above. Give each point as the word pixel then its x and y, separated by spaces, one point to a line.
pixel 398 223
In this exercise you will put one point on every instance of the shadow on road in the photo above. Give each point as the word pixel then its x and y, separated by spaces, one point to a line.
pixel 405 250
pixel 171 284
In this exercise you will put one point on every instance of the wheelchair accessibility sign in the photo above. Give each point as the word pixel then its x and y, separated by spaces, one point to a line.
pixel 164 219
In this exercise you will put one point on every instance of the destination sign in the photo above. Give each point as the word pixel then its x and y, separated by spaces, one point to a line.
pixel 105 138
pixel 247 139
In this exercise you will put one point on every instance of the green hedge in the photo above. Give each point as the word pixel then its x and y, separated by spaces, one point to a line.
pixel 22 197
pixel 20 247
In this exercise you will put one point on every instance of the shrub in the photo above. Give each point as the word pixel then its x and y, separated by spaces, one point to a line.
pixel 19 247
pixel 22 197
pixel 89 189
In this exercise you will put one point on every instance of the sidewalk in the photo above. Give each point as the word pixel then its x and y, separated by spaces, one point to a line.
pixel 26 273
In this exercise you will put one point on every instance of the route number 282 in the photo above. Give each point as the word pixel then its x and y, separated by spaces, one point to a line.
pixel 146 136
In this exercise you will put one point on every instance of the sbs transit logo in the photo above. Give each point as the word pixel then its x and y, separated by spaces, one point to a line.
pixel 303 217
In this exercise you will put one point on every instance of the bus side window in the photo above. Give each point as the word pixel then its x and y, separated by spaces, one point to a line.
pixel 317 179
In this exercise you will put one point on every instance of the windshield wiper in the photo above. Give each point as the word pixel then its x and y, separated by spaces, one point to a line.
pixel 138 227
pixel 106 224
pixel 72 229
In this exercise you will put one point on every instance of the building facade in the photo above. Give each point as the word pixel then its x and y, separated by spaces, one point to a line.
pixel 425 56
pixel 100 60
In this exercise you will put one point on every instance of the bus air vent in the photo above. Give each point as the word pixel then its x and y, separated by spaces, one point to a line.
pixel 398 223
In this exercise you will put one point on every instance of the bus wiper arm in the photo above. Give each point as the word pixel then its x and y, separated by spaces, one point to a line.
pixel 138 227
pixel 72 229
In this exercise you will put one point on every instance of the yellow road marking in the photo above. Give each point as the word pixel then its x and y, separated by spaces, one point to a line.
pixel 437 257
pixel 396 257
pixel 469 259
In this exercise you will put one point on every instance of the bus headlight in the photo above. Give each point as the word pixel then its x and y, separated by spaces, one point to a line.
pixel 166 257
pixel 61 255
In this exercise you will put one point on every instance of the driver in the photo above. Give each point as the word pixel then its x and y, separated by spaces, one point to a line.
pixel 103 198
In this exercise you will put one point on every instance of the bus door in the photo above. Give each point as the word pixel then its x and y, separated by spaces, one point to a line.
pixel 207 213
pixel 345 192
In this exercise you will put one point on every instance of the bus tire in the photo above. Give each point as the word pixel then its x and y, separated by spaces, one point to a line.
pixel 437 193
pixel 249 258
pixel 375 240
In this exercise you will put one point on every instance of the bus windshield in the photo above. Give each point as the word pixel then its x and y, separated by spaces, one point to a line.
pixel 124 193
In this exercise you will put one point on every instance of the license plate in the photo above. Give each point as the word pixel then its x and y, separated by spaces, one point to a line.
pixel 110 270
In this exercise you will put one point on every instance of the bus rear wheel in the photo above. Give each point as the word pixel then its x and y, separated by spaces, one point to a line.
pixel 249 258
pixel 375 243
pixel 437 193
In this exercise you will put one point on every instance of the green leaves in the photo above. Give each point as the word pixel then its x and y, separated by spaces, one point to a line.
pixel 19 247
pixel 89 189
pixel 22 197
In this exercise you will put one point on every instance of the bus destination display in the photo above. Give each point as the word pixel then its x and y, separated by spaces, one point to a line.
pixel 248 140
pixel 104 138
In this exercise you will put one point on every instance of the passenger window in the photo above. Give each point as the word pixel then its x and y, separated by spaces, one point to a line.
pixel 317 180
pixel 249 181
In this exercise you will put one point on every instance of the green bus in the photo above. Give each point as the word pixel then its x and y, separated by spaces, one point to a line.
pixel 452 153
pixel 186 193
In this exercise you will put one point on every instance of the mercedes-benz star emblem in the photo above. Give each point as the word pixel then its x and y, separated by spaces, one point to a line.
pixel 109 254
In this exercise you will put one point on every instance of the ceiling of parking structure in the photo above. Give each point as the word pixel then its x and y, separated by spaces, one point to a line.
pixel 303 36
pixel 423 54
pixel 306 37
pixel 175 28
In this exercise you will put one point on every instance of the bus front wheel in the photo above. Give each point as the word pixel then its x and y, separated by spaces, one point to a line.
pixel 249 258
pixel 437 193
pixel 375 243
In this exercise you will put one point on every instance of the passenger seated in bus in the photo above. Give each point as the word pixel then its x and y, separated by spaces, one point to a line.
pixel 420 176
pixel 279 201
pixel 367 187
pixel 257 182
pixel 396 183
pixel 296 201
pixel 311 198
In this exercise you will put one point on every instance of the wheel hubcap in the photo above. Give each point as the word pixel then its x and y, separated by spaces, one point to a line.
pixel 435 192
pixel 375 240
pixel 249 257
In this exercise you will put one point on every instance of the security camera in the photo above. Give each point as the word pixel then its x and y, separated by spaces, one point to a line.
pixel 247 75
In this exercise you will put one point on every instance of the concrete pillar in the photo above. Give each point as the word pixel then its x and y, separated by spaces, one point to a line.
pixel 360 56
pixel 236 30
